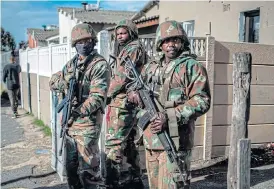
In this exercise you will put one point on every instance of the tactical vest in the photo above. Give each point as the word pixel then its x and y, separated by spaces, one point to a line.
pixel 168 94
pixel 89 64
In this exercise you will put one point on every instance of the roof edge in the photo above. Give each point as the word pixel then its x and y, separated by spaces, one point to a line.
pixel 145 9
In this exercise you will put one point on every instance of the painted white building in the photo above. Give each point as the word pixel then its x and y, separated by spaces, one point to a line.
pixel 99 19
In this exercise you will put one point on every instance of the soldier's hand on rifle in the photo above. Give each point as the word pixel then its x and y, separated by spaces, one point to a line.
pixel 73 117
pixel 74 102
pixel 134 97
pixel 74 114
pixel 158 123
pixel 68 76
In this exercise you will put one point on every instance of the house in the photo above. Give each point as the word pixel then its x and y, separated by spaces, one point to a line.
pixel 233 21
pixel 146 19
pixel 99 19
pixel 43 37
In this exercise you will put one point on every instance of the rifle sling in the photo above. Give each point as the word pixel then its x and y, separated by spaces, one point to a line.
pixel 169 105
pixel 172 122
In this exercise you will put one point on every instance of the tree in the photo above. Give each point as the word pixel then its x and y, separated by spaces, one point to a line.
pixel 7 41
pixel 3 39
pixel 23 45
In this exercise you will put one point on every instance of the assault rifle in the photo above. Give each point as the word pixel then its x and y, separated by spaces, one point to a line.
pixel 66 104
pixel 152 107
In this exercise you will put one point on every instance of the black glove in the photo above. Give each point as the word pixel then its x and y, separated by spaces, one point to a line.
pixel 73 116
pixel 108 100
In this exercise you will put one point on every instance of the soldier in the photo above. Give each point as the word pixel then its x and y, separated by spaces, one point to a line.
pixel 92 75
pixel 121 114
pixel 182 89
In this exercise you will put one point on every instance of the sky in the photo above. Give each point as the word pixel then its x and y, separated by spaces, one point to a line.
pixel 17 16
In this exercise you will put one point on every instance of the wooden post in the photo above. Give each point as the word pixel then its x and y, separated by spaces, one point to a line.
pixel 243 164
pixel 207 148
pixel 240 109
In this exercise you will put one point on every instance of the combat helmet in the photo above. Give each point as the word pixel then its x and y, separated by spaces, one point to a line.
pixel 130 25
pixel 170 29
pixel 82 31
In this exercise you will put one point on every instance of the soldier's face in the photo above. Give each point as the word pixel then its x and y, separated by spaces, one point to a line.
pixel 171 47
pixel 122 35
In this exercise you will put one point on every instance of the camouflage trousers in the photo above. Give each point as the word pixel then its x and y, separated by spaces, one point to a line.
pixel 164 175
pixel 120 146
pixel 82 163
pixel 13 97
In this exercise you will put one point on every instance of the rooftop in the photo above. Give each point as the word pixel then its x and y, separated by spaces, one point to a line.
pixel 97 16
pixel 41 34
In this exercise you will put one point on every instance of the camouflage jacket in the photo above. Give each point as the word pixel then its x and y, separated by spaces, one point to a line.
pixel 93 75
pixel 119 80
pixel 183 91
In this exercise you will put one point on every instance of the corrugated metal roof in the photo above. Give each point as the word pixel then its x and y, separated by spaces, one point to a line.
pixel 100 16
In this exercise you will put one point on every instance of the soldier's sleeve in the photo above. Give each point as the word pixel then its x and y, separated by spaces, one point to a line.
pixel 197 87
pixel 120 78
pixel 99 82
pixel 57 81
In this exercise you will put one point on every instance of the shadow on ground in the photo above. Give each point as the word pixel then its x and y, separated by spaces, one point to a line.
pixel 215 177
pixel 60 186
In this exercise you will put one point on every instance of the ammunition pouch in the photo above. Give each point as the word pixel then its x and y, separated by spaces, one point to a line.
pixel 172 119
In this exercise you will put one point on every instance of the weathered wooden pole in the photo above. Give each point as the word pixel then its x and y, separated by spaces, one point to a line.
pixel 240 111
pixel 243 164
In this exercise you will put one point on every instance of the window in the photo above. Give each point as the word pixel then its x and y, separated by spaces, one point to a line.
pixel 64 39
pixel 189 27
pixel 249 26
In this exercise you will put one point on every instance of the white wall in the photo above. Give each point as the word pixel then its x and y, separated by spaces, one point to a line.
pixel 65 26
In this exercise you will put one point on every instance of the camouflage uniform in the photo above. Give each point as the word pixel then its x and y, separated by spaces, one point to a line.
pixel 182 85
pixel 93 75
pixel 121 114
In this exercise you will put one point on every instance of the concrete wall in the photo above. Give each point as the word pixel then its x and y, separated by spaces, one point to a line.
pixel 261 122
pixel 45 100
pixel 224 25
pixel 44 96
